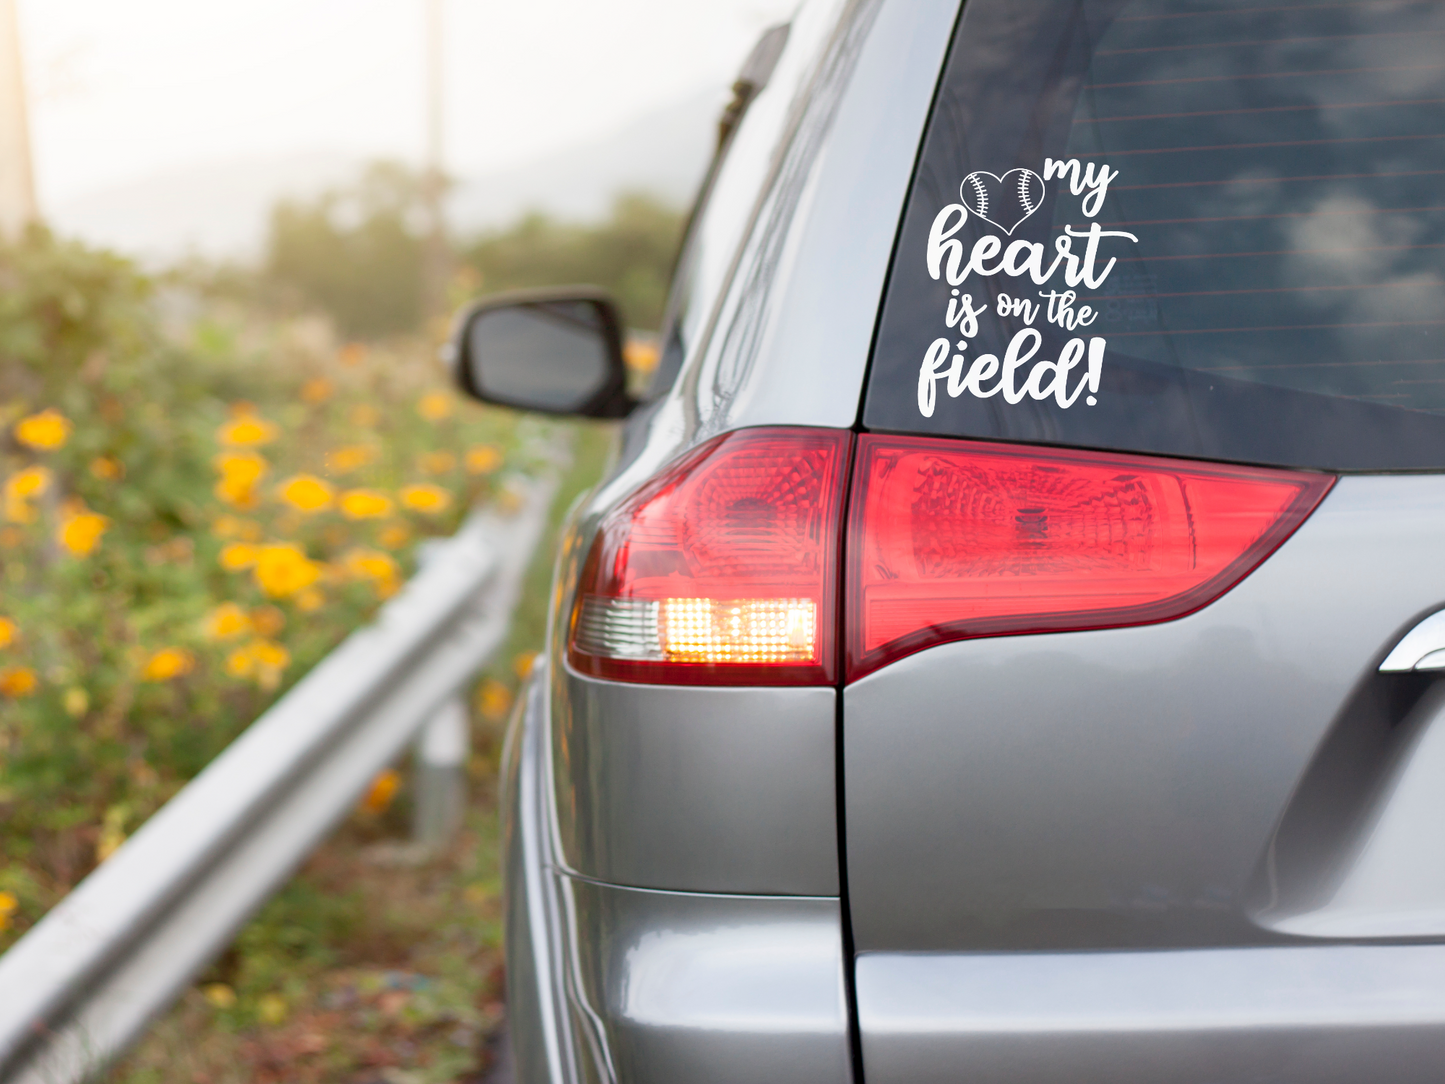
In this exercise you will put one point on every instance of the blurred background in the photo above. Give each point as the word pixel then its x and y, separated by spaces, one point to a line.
pixel 231 237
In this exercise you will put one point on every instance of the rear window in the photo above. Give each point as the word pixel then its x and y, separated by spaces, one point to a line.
pixel 1204 229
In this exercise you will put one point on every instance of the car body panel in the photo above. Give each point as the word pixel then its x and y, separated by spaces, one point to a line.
pixel 706 988
pixel 1335 1014
pixel 536 1020
pixel 698 789
pixel 1386 878
pixel 621 984
pixel 1120 787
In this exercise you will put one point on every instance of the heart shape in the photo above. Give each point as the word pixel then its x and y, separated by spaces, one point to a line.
pixel 1003 201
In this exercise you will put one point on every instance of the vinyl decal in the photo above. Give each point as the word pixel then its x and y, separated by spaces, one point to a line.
pixel 1010 198
pixel 1005 202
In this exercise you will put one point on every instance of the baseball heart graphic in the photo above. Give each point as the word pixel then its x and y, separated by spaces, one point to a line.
pixel 1003 201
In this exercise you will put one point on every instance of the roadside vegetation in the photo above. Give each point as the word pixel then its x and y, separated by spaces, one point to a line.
pixel 207 480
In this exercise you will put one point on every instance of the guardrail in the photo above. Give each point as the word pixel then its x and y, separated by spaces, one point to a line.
pixel 82 985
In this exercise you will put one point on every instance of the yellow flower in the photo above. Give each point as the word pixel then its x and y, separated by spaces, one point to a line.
pixel 316 390
pixel 352 354
pixel 112 832
pixel 269 653
pixel 80 532
pixel 226 621
pixel 284 569
pixel 107 468
pixel 426 498
pixel 365 416
pixel 262 660
pixel 168 663
pixel 306 493
pixel 347 459
pixel 523 663
pixel 244 468
pixel 271 662
pixel 271 1008
pixel 240 494
pixel 240 471
pixel 267 620
pixel 240 663
pixel 8 906
pixel 436 462
pixel 45 431
pixel 219 995
pixel 310 600
pixel 18 681
pixel 76 702
pixel 365 504
pixel 374 566
pixel 364 564
pixel 483 458
pixel 246 429
pixel 493 699
pixel 31 482
pixel 247 530
pixel 238 555
pixel 20 488
pixel 381 792
pixel 8 631
pixel 640 355
pixel 395 536
pixel 434 406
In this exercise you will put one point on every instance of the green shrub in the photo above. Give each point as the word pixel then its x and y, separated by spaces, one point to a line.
pixel 355 253
pixel 630 254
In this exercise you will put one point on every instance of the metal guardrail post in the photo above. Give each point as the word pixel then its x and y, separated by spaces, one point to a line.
pixel 439 765
pixel 439 774
pixel 84 982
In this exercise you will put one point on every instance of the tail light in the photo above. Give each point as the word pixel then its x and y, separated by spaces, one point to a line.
pixel 951 540
pixel 722 571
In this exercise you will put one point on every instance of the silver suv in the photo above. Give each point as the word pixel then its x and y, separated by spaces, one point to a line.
pixel 1005 646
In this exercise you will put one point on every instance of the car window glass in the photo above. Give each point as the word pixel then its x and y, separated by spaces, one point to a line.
pixel 720 224
pixel 1210 228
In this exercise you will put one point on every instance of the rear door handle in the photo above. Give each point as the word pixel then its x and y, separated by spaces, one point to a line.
pixel 1423 648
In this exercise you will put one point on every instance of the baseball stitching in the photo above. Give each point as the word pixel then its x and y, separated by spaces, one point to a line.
pixel 1025 200
pixel 982 196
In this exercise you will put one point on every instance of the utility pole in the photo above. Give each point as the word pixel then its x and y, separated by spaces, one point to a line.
pixel 17 182
pixel 437 257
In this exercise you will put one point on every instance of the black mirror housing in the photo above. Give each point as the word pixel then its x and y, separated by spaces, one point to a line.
pixel 553 351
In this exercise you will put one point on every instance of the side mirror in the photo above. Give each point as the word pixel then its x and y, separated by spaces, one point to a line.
pixel 553 351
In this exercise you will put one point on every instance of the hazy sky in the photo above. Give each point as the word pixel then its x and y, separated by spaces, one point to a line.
pixel 123 88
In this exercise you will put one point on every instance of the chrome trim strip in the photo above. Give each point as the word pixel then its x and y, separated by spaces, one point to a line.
pixel 1423 648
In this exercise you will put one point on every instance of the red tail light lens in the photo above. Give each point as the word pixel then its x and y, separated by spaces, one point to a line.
pixel 722 571
pixel 951 540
